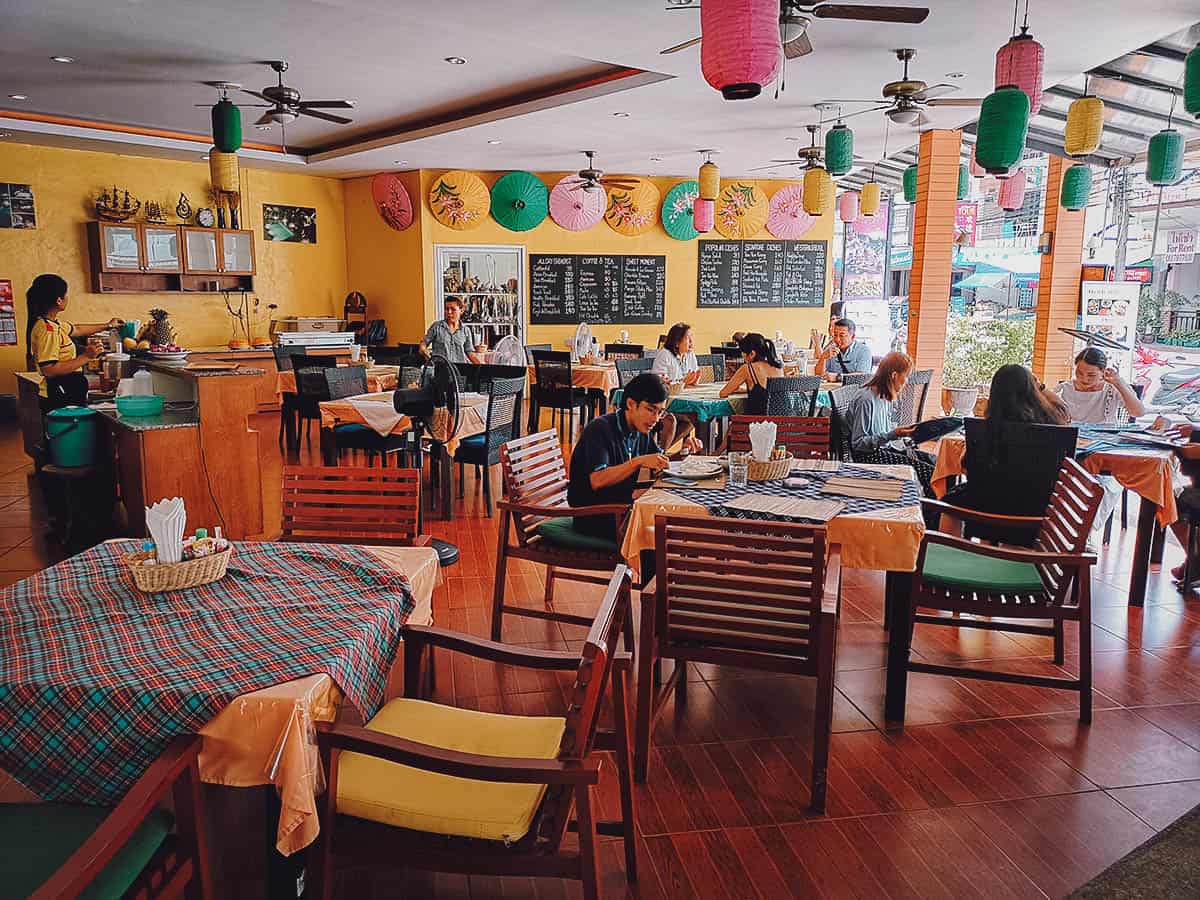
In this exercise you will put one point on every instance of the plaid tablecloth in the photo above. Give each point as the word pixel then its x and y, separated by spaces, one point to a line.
pixel 96 678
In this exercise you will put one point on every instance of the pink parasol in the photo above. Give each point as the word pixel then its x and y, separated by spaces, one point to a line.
pixel 574 208
pixel 392 200
pixel 786 218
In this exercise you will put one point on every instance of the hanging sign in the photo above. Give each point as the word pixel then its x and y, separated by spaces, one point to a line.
pixel 966 218
pixel 1181 246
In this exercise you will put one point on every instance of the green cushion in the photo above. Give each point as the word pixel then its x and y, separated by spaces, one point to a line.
pixel 975 571
pixel 39 837
pixel 561 531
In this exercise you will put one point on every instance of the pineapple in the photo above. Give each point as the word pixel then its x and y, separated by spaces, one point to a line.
pixel 160 332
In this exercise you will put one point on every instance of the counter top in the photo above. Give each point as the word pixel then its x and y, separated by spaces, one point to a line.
pixel 189 418
pixel 184 372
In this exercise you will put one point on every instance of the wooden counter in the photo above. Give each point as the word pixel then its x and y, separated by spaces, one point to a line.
pixel 265 396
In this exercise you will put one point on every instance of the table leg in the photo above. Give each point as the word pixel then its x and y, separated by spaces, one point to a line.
pixel 328 447
pixel 896 596
pixel 443 460
pixel 1158 545
pixel 1141 552
pixel 291 435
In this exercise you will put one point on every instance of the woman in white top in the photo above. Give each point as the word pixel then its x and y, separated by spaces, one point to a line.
pixel 676 361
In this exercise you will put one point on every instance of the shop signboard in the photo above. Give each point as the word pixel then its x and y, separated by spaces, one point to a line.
pixel 1181 246
pixel 1110 309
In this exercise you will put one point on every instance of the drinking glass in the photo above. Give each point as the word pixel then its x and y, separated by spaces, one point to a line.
pixel 739 469
pixel 355 352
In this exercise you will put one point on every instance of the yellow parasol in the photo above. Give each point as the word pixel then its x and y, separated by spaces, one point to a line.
pixel 633 211
pixel 459 200
pixel 741 211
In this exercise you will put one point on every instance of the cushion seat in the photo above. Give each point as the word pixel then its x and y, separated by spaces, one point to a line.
pixel 561 531
pixel 406 797
pixel 475 440
pixel 39 837
pixel 962 569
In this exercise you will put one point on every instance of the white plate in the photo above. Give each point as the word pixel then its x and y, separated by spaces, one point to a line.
pixel 180 354
pixel 695 471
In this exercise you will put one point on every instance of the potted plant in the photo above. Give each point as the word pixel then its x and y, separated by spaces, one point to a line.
pixel 974 351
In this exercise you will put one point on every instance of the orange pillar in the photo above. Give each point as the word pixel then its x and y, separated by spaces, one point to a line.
pixel 1058 290
pixel 933 251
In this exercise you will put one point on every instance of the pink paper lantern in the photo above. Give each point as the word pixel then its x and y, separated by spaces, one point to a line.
pixel 703 215
pixel 740 50
pixel 848 206
pixel 1012 191
pixel 977 171
pixel 1019 63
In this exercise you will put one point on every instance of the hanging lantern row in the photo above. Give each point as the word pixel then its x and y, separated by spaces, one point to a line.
pixel 1085 126
pixel 703 215
pixel 818 191
pixel 976 170
pixel 848 207
pixel 1012 191
pixel 740 50
pixel 910 184
pixel 1003 127
pixel 1191 83
pixel 964 182
pixel 226 126
pixel 839 150
pixel 1076 187
pixel 1019 63
pixel 868 204
pixel 709 179
pixel 1164 158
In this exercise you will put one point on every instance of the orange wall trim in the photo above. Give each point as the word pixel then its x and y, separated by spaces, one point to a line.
pixel 126 129
pixel 1058 291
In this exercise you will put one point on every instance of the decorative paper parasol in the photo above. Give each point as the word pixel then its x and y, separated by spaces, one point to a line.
pixel 519 201
pixel 577 210
pixel 787 219
pixel 677 210
pixel 633 211
pixel 459 200
pixel 741 210
pixel 392 200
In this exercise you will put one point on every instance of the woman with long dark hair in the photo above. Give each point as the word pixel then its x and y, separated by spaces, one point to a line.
pixel 50 348
pixel 676 361
pixel 1016 396
pixel 760 362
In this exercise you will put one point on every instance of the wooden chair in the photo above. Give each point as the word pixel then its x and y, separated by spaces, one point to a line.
pixel 623 351
pixel 56 850
pixel 537 515
pixel 476 792
pixel 805 437
pixel 503 423
pixel 909 408
pixel 793 395
pixel 1050 582
pixel 352 505
pixel 753 594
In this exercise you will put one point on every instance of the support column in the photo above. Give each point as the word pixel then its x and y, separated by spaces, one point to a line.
pixel 1058 290
pixel 933 252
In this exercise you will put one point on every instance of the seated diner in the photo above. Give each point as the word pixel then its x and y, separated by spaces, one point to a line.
pixel 676 361
pixel 759 362
pixel 844 353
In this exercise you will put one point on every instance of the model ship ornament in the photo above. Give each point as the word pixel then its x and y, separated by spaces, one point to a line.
pixel 115 209
pixel 155 214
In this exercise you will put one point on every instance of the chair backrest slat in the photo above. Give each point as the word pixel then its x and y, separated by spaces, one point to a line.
pixel 529 348
pixel 623 351
pixel 351 505
pixel 805 437
pixel 856 379
pixel 909 407
pixel 839 428
pixel 628 368
pixel 792 395
pixel 534 473
pixel 1068 520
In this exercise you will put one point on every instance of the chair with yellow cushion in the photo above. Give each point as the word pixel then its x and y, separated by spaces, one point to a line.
pixel 439 788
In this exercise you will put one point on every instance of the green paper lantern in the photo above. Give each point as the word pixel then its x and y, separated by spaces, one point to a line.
pixel 520 201
pixel 1076 187
pixel 226 126
pixel 1164 157
pixel 910 184
pixel 964 182
pixel 839 150
pixel 1191 82
pixel 677 210
pixel 1003 125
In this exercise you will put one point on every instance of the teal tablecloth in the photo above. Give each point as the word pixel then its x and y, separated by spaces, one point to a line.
pixel 706 410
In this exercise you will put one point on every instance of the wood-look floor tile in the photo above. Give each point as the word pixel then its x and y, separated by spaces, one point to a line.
pixel 1158 805
pixel 1182 721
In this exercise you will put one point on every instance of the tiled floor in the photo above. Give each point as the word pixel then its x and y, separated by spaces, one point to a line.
pixel 990 790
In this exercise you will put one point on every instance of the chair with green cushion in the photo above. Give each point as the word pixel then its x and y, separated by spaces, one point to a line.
pixel 536 513
pixel 56 850
pixel 979 583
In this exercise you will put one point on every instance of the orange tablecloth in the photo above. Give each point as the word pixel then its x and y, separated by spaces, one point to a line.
pixel 599 378
pixel 884 540
pixel 470 415
pixel 379 378
pixel 1145 472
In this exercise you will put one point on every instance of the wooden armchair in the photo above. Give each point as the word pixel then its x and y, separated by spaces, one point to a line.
pixel 483 793
pixel 1051 582
pixel 754 594
pixel 54 850
pixel 537 514
pixel 352 505
pixel 805 437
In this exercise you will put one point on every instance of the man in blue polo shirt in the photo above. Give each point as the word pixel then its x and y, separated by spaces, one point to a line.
pixel 844 353
pixel 613 449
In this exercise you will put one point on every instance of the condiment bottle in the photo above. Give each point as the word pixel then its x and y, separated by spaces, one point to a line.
pixel 203 544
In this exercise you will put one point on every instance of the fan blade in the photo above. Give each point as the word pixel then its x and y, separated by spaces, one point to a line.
pixel 956 101
pixel 679 47
pixel 798 46
pixel 326 104
pixel 936 90
pixel 340 120
pixel 265 119
pixel 912 15
pixel 779 165
pixel 258 95
pixel 922 121
pixel 240 105
pixel 873 109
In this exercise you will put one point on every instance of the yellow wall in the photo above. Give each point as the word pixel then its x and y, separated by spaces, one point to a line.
pixel 380 260
pixel 303 279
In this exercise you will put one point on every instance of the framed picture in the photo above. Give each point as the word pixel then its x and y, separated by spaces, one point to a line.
pixel 293 224
pixel 16 206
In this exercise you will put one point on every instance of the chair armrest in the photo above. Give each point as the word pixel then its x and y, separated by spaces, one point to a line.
pixel 1016 554
pixel 529 509
pixel 650 588
pixel 482 648
pixel 81 867
pixel 508 770
pixel 831 600
pixel 983 518
pixel 423 540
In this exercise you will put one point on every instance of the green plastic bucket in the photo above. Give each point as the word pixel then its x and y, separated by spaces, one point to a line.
pixel 71 434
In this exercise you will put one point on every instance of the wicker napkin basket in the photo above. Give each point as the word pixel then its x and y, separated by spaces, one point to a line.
pixel 771 470
pixel 176 576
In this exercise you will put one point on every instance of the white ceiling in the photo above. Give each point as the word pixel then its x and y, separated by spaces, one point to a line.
pixel 141 62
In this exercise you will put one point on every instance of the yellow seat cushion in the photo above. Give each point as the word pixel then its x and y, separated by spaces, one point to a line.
pixel 394 794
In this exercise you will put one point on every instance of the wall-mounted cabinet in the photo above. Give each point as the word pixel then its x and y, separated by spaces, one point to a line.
pixel 143 258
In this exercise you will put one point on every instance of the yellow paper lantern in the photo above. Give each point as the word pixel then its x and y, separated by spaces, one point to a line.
pixel 633 211
pixel 818 192
pixel 868 204
pixel 459 200
pixel 223 171
pixel 1085 125
pixel 710 181
pixel 741 210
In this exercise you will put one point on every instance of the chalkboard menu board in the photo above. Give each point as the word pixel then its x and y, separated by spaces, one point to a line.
pixel 761 273
pixel 600 290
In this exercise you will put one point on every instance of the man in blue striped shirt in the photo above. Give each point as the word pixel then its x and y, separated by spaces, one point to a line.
pixel 844 353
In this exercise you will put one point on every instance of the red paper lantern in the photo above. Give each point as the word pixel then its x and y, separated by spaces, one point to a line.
pixel 703 215
pixel 977 171
pixel 848 207
pixel 1012 191
pixel 740 50
pixel 1019 63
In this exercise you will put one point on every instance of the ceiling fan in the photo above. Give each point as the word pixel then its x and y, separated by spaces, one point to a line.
pixel 807 157
pixel 906 100
pixel 589 178
pixel 794 19
pixel 284 104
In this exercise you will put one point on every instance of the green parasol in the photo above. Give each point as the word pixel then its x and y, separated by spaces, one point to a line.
pixel 520 201
pixel 677 210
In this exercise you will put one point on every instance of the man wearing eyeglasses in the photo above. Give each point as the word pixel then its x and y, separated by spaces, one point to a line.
pixel 613 450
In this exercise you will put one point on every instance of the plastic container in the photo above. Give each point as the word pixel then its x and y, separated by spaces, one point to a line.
pixel 141 384
pixel 71 434
pixel 139 405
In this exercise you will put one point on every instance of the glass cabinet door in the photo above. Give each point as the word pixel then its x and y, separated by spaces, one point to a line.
pixel 200 245
pixel 162 248
pixel 237 253
pixel 121 247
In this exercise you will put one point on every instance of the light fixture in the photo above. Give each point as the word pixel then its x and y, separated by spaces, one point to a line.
pixel 1076 188
pixel 621 115
pixel 903 115
pixel 1191 82
pixel 455 60
pixel 868 203
pixel 1085 126
pixel 18 96
pixel 495 141
pixel 399 162
pixel 818 191
pixel 909 182
pixel 1164 158
pixel 263 127
pixel 1012 191
pixel 3 134
pixel 956 74
pixel 839 149
pixel 709 179
pixel 62 59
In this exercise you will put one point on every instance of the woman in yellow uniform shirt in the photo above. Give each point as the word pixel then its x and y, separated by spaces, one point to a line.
pixel 48 336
